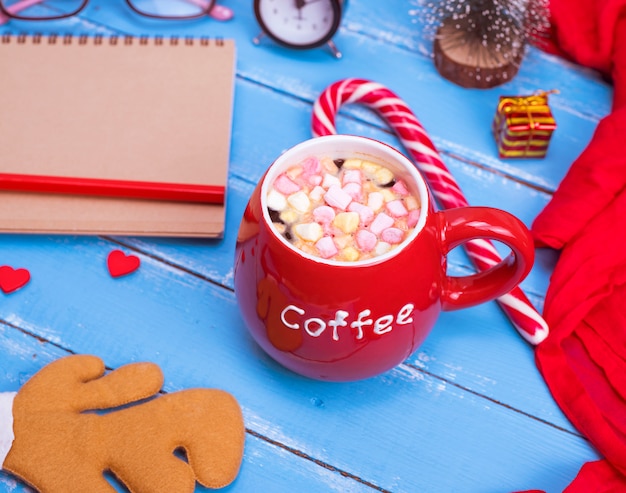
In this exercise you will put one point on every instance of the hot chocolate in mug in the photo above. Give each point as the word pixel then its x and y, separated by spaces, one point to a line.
pixel 340 265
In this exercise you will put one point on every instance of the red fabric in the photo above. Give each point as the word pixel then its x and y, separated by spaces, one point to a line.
pixel 585 30
pixel 583 361
pixel 592 183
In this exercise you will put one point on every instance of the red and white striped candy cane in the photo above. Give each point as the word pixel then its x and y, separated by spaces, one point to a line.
pixel 444 187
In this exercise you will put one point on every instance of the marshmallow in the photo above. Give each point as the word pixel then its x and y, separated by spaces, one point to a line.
pixel 299 201
pixel 289 216
pixel 341 240
pixel 276 200
pixel 348 222
pixel 392 236
pixel 411 203
pixel 382 247
pixel 366 240
pixel 310 166
pixel 400 223
pixel 329 166
pixel 317 193
pixel 351 176
pixel 381 221
pixel 370 168
pixel 354 190
pixel 330 181
pixel 396 208
pixel 309 231
pixel 375 201
pixel 286 185
pixel 336 197
pixel 350 254
pixel 383 176
pixel 413 218
pixel 399 187
pixel 311 171
pixel 323 214
pixel 352 164
pixel 294 172
pixel 388 195
pixel 326 247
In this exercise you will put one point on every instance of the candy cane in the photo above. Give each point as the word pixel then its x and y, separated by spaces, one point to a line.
pixel 444 187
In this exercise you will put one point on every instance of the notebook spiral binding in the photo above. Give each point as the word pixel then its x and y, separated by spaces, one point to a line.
pixel 115 39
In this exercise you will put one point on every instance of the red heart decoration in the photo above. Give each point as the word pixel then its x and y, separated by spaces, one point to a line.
pixel 12 279
pixel 120 264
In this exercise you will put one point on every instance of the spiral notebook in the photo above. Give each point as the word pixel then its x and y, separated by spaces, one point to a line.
pixel 115 108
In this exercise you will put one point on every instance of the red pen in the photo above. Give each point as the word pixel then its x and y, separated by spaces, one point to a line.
pixel 177 192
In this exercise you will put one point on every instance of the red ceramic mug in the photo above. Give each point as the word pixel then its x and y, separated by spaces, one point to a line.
pixel 341 320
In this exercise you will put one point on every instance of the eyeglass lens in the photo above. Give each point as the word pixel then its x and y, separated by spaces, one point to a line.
pixel 54 9
pixel 42 9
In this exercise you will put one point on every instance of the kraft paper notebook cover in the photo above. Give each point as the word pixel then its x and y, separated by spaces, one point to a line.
pixel 141 109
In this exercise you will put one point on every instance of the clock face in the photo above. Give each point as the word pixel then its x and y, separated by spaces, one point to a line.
pixel 299 23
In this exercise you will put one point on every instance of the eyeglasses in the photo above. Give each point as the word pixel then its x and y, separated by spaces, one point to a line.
pixel 43 10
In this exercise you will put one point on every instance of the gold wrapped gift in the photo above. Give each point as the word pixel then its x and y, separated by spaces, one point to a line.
pixel 523 126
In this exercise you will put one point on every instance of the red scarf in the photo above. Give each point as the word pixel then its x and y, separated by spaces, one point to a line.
pixel 583 361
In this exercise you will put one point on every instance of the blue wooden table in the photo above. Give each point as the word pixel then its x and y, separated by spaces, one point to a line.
pixel 467 412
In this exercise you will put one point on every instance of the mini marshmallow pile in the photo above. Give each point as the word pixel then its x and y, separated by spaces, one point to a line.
pixel 342 209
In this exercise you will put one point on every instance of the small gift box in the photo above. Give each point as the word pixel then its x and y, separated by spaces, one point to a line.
pixel 523 126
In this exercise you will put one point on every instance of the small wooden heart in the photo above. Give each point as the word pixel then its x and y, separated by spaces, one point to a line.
pixel 13 279
pixel 120 264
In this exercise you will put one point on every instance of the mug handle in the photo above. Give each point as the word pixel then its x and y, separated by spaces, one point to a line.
pixel 463 224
